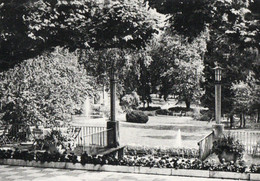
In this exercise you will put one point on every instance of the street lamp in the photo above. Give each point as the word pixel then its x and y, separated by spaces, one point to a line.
pixel 219 128
pixel 112 124
pixel 218 74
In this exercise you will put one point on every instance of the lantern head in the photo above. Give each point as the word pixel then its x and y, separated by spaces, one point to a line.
pixel 218 73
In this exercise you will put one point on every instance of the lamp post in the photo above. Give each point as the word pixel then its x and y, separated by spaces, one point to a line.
pixel 112 124
pixel 218 127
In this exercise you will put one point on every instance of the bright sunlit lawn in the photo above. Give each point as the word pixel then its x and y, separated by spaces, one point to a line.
pixel 161 131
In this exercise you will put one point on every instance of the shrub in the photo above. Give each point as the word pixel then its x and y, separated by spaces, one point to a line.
pixel 163 112
pixel 255 168
pixel 149 108
pixel 54 86
pixel 5 154
pixel 180 109
pixel 72 158
pixel 228 144
pixel 130 101
pixel 136 117
pixel 206 115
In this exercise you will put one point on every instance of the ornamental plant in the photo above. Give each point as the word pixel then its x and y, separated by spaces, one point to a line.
pixel 136 117
pixel 128 160
pixel 255 168
pixel 228 144
pixel 45 90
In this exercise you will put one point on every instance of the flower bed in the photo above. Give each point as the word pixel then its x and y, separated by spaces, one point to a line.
pixel 128 160
pixel 132 164
pixel 172 152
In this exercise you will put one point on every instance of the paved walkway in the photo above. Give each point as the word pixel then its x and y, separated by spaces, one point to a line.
pixel 15 173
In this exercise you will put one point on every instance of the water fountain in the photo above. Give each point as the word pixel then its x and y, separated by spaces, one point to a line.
pixel 178 142
pixel 86 109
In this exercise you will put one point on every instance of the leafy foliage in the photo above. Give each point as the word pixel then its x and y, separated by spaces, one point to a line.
pixel 44 90
pixel 43 25
pixel 151 161
pixel 255 168
pixel 130 101
pixel 247 95
pixel 233 44
pixel 228 144
pixel 188 18
pixel 178 65
pixel 136 117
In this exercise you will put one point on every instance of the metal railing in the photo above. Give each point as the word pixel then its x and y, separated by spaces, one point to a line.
pixel 250 139
pixel 91 135
pixel 205 146
pixel 96 139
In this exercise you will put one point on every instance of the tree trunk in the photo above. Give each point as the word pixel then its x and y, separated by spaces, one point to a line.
pixel 241 120
pixel 244 120
pixel 231 120
pixel 258 116
pixel 187 102
pixel 165 96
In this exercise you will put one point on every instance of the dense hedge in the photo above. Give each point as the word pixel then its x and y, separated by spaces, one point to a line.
pixel 136 117
pixel 163 112
pixel 128 160
pixel 149 108
pixel 180 109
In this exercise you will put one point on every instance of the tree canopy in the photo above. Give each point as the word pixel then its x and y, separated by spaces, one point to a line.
pixel 31 27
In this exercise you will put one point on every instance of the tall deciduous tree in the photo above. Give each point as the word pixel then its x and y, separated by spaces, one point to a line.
pixel 187 72
pixel 234 41
pixel 233 29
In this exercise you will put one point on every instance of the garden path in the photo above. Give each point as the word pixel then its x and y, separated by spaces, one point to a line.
pixel 13 173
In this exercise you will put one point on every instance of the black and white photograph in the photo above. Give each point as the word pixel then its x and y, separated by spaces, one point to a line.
pixel 129 90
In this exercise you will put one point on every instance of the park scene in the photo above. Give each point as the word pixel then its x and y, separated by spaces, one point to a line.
pixel 130 89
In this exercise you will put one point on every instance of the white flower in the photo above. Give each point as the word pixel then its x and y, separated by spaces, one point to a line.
pixel 247 39
pixel 236 12
pixel 225 17
pixel 128 37
pixel 32 36
pixel 86 44
pixel 229 31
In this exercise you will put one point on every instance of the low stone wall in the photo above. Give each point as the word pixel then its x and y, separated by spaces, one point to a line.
pixel 134 169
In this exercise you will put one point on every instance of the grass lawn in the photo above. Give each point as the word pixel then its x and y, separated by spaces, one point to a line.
pixel 161 131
